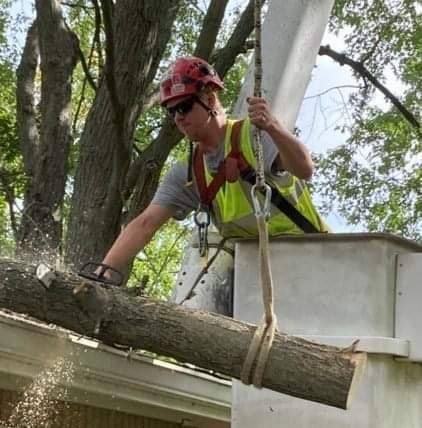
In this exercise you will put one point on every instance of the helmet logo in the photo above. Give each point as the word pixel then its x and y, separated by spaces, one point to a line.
pixel 176 78
pixel 178 88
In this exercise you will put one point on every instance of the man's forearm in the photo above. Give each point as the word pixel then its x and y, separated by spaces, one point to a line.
pixel 136 235
pixel 294 155
pixel 129 243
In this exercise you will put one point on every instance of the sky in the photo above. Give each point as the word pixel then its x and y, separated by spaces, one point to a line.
pixel 325 106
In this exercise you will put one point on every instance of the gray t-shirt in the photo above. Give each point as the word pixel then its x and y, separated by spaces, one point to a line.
pixel 174 191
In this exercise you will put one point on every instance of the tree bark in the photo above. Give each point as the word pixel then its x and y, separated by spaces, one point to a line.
pixel 139 34
pixel 46 166
pixel 210 28
pixel 296 367
pixel 26 113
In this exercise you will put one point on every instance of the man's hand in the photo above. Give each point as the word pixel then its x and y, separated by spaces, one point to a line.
pixel 294 156
pixel 260 115
pixel 101 272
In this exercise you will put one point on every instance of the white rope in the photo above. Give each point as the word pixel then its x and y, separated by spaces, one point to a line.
pixel 260 179
pixel 260 346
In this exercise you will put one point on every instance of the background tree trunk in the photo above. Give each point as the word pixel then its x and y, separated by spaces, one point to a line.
pixel 46 151
pixel 140 33
pixel 295 366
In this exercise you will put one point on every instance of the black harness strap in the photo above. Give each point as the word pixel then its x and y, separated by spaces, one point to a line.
pixel 279 201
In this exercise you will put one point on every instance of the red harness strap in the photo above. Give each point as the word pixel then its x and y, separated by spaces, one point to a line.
pixel 229 169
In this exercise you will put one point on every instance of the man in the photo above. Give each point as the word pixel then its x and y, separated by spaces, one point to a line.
pixel 189 92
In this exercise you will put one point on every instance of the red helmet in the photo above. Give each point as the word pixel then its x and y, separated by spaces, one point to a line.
pixel 187 76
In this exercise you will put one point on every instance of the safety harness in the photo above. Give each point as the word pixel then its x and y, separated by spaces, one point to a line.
pixel 231 169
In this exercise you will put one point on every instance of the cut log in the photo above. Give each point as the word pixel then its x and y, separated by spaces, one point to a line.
pixel 296 367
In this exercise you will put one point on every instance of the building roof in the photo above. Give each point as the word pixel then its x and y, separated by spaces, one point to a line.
pixel 106 377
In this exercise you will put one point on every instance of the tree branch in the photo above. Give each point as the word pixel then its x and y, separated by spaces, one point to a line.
pixel 26 112
pixel 210 28
pixel 107 8
pixel 249 44
pixel 335 88
pixel 97 40
pixel 237 41
pixel 85 67
pixel 79 106
pixel 76 5
pixel 359 68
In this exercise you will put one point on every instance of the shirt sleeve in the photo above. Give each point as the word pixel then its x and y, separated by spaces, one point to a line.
pixel 270 152
pixel 274 169
pixel 174 192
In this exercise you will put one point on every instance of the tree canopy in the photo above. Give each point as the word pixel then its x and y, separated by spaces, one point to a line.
pixel 83 143
pixel 375 177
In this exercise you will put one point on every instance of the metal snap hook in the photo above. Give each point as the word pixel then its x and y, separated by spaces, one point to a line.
pixel 202 217
pixel 261 208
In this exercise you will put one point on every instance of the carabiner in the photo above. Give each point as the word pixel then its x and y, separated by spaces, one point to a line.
pixel 265 208
pixel 202 219
pixel 203 240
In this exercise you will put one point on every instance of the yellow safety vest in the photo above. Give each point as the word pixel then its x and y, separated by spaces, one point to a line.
pixel 232 207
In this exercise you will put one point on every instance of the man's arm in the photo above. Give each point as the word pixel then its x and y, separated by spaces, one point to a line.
pixel 136 235
pixel 294 155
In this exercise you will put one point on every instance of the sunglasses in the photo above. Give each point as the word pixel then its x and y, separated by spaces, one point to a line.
pixel 182 108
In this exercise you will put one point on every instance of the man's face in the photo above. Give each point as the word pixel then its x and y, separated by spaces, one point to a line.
pixel 190 117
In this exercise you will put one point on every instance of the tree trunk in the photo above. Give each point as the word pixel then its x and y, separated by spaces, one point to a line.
pixel 140 32
pixel 41 226
pixel 296 367
pixel 26 113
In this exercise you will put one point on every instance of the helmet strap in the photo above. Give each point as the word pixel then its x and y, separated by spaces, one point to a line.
pixel 190 160
pixel 210 111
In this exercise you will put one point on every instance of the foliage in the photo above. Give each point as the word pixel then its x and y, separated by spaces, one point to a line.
pixel 156 266
pixel 374 179
pixel 6 238
pixel 11 176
